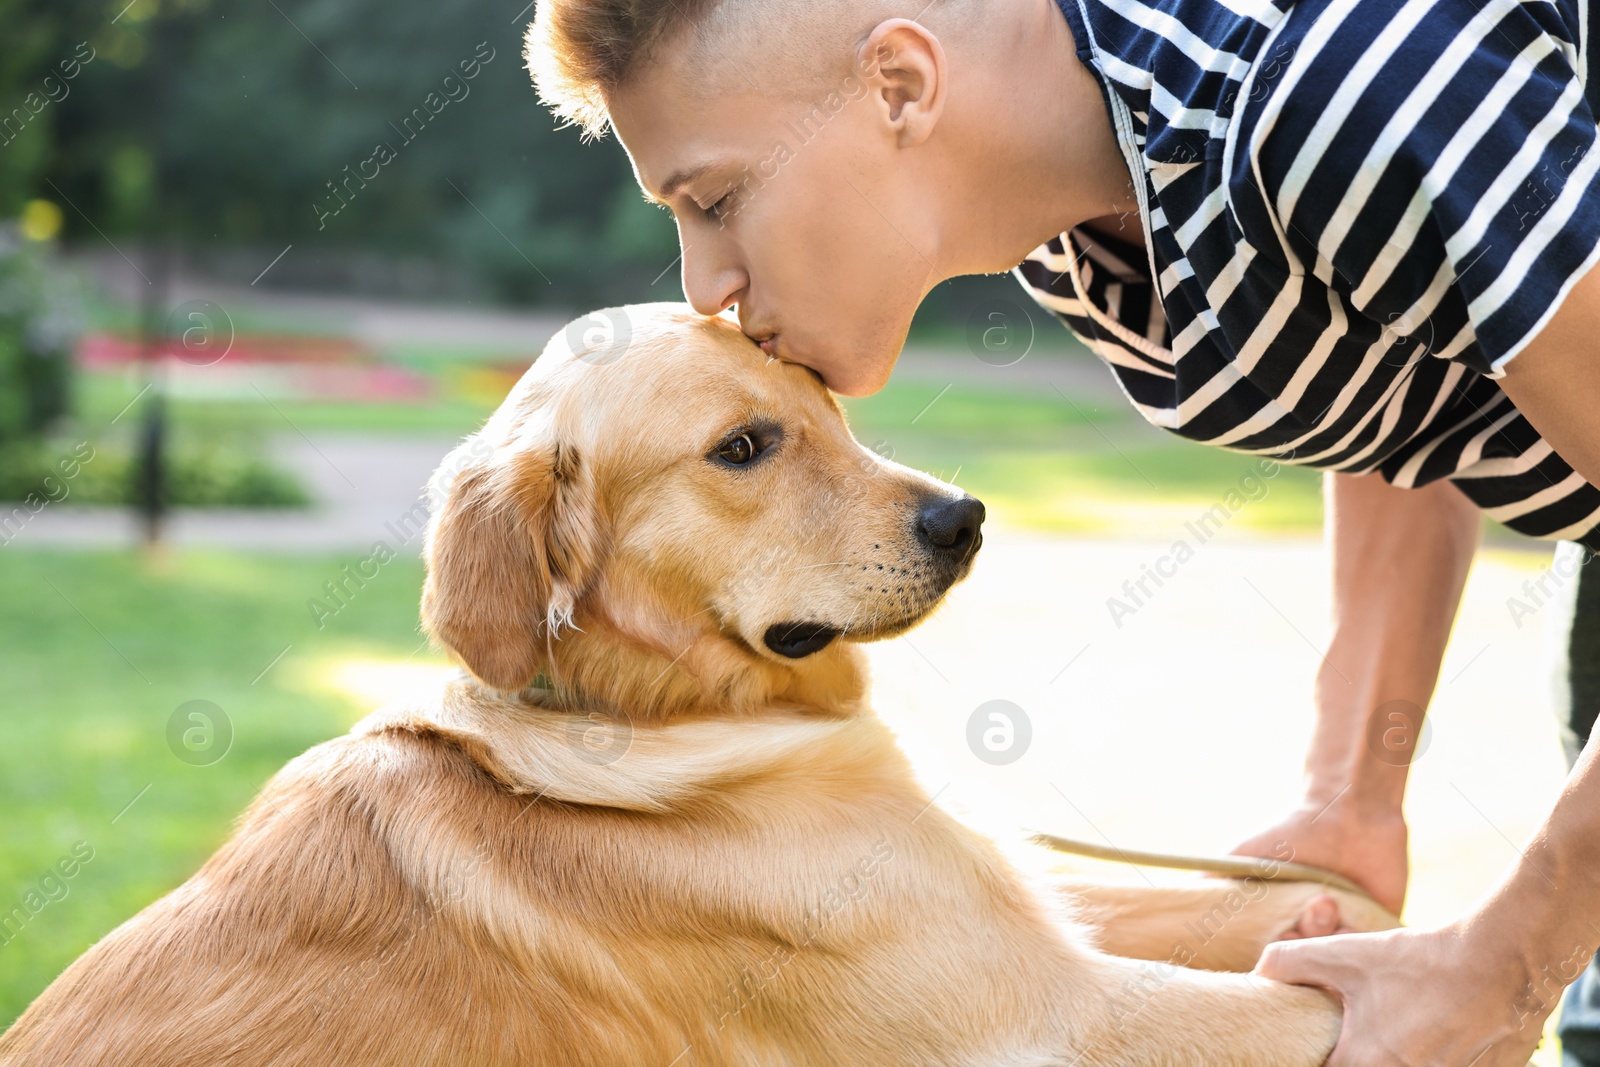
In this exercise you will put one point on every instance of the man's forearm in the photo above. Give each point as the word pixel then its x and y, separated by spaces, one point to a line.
pixel 1400 562
pixel 1545 916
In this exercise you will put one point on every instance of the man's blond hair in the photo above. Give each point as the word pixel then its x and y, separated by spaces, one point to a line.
pixel 580 51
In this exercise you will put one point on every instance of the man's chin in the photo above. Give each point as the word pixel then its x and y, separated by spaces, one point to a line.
pixel 862 378
pixel 842 367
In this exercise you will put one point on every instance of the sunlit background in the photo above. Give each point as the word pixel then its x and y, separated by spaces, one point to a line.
pixel 263 262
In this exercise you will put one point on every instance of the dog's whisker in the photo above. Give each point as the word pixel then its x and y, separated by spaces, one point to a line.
pixel 669 666
pixel 702 611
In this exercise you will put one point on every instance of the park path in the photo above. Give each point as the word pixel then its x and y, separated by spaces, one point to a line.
pixel 1181 726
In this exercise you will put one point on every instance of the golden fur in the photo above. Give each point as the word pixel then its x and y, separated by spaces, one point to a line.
pixel 631 833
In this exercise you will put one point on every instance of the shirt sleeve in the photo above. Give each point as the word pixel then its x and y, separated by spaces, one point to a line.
pixel 1099 285
pixel 1435 164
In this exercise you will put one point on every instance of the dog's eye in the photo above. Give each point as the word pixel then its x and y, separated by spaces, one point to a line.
pixel 752 443
pixel 737 450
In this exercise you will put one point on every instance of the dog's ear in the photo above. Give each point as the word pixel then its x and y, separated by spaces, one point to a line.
pixel 512 544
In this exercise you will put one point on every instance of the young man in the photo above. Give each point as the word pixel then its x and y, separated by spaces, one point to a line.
pixel 1356 235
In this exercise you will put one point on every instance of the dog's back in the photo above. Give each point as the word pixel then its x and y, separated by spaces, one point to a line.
pixel 410 894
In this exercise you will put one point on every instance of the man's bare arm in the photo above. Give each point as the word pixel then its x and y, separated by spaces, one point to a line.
pixel 1555 380
pixel 1400 562
pixel 1478 990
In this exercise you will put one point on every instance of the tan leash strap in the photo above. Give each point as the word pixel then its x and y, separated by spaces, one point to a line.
pixel 1232 866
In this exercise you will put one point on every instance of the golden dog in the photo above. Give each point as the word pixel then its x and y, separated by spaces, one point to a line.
pixel 656 824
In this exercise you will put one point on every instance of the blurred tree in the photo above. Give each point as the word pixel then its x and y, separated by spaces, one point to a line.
pixel 373 135
pixel 38 324
pixel 34 42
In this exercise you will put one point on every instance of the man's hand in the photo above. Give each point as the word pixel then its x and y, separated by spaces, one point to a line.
pixel 1476 992
pixel 1418 997
pixel 1368 849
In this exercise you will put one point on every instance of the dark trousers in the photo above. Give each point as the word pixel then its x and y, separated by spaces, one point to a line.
pixel 1578 694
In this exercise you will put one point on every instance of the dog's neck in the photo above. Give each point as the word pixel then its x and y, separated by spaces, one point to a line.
pixel 682 673
pixel 538 750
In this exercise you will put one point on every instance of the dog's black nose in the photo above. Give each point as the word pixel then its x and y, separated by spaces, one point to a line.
pixel 950 527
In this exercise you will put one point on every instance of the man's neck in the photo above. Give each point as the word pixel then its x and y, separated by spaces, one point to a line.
pixel 1041 154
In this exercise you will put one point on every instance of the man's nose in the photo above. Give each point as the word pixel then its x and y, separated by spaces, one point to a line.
pixel 711 287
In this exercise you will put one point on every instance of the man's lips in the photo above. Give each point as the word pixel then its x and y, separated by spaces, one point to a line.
pixel 774 348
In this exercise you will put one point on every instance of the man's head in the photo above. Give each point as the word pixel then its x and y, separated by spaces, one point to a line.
pixel 823 174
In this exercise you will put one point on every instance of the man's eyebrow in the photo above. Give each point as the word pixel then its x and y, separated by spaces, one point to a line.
pixel 678 180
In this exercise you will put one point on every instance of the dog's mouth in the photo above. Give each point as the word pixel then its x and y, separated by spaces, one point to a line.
pixel 797 640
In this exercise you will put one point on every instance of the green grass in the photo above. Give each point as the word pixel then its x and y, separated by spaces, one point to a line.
pixel 97 651
pixel 1044 463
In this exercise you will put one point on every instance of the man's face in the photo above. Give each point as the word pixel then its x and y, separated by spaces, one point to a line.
pixel 802 214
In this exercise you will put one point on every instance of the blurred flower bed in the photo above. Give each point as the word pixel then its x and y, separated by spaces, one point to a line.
pixel 273 365
pixel 44 454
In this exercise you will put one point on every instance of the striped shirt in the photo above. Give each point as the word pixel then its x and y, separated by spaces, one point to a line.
pixel 1356 212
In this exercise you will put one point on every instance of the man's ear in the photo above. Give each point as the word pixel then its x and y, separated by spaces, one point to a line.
pixel 510 549
pixel 905 71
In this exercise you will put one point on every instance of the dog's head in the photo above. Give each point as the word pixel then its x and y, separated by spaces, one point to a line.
pixel 661 516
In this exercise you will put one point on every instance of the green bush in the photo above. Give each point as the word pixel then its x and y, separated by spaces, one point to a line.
pixel 209 476
pixel 228 479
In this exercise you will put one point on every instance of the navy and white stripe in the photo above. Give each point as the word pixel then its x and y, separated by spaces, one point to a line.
pixel 1357 212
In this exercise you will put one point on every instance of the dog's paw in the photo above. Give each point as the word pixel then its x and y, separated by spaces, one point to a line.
pixel 1322 911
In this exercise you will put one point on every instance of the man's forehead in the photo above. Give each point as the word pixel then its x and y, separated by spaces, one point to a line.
pixel 658 140
pixel 675 127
